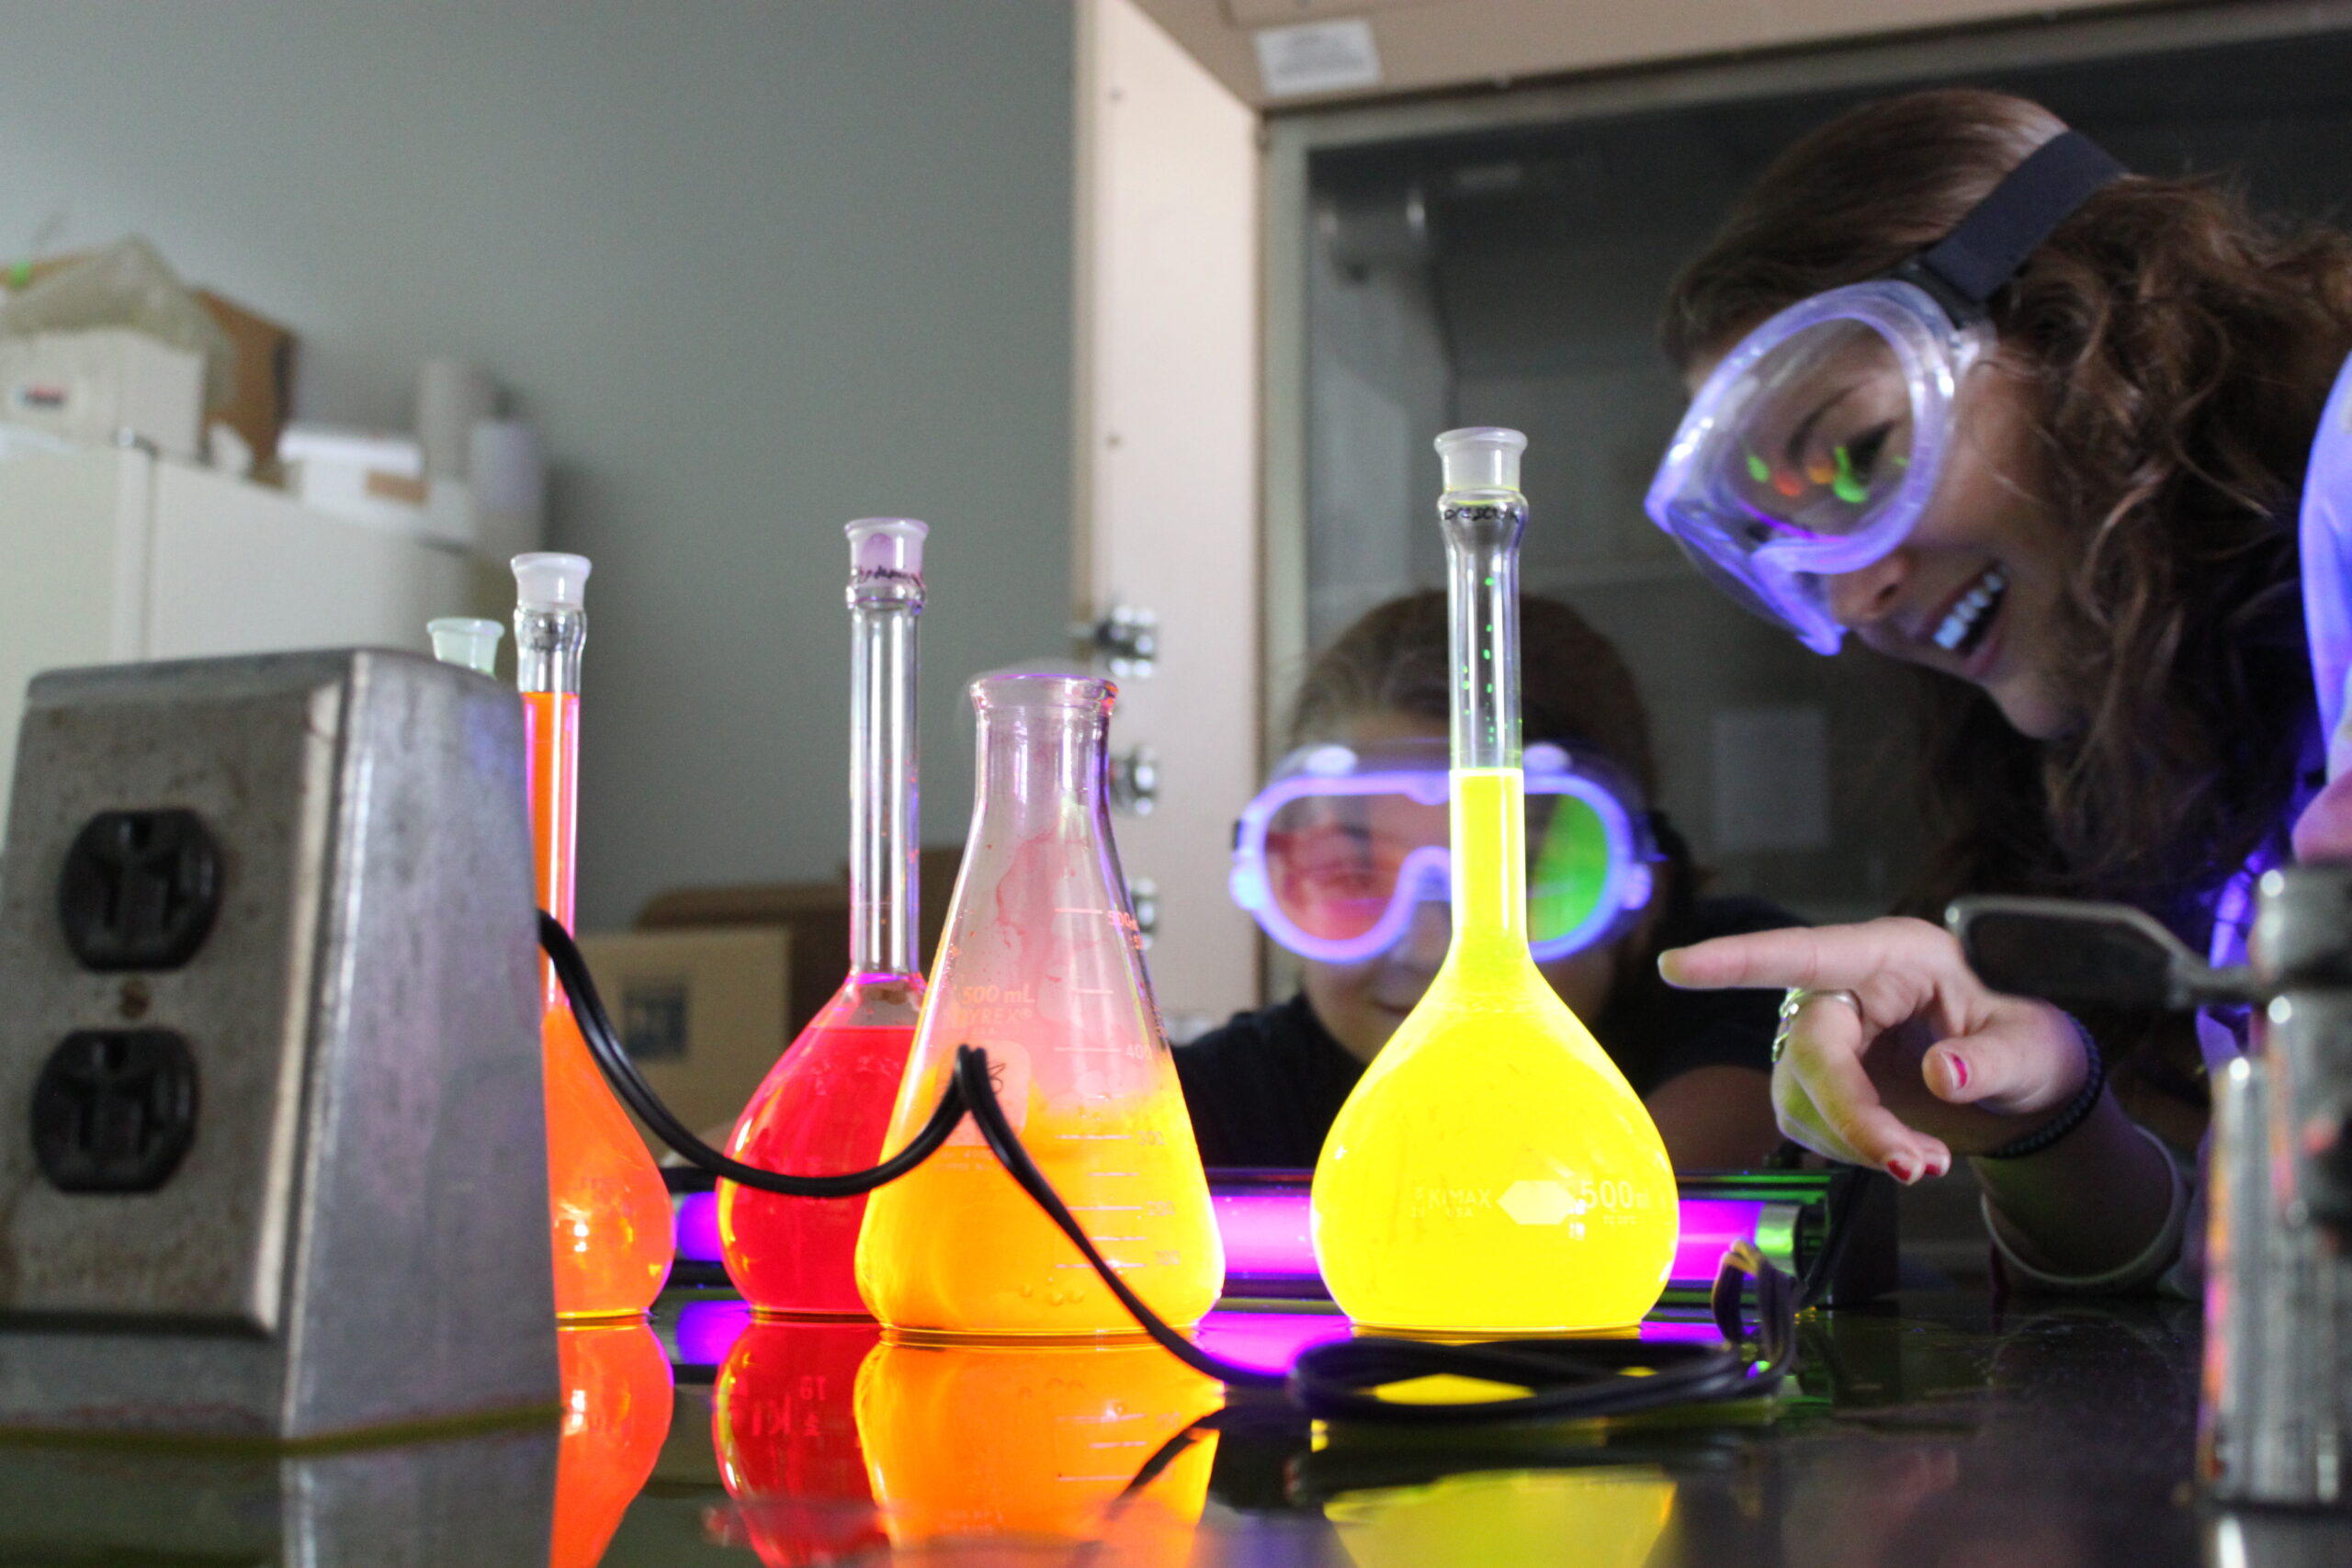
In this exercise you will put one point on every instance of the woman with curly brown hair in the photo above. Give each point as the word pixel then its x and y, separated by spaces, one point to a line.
pixel 1964 387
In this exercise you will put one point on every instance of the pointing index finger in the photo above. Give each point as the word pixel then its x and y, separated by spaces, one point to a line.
pixel 1823 958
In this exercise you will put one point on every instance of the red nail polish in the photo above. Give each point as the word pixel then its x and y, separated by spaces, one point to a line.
pixel 1959 1073
pixel 1900 1169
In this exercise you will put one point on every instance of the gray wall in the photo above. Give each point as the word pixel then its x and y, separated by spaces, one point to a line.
pixel 756 269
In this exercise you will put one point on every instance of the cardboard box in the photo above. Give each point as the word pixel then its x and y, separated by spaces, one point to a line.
pixel 264 397
pixel 816 913
pixel 265 392
pixel 88 386
pixel 702 1013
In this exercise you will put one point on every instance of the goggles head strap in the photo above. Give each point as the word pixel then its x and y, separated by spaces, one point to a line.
pixel 1984 251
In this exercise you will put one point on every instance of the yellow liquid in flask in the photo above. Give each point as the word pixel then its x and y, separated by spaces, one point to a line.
pixel 973 1254
pixel 1493 1172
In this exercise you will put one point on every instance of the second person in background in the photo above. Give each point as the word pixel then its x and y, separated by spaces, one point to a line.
pixel 1342 860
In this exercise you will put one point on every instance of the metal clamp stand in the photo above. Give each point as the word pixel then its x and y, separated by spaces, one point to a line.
pixel 2276 1424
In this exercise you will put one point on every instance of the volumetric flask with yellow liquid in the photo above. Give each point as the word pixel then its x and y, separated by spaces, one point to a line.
pixel 1041 966
pixel 1614 1513
pixel 1493 1172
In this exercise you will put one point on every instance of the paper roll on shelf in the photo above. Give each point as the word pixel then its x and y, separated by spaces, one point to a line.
pixel 452 397
pixel 507 472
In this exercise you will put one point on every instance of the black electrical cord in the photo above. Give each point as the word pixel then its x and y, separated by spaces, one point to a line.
pixel 969 1093
pixel 980 1104
pixel 604 1045
pixel 1567 1379
pixel 1845 1195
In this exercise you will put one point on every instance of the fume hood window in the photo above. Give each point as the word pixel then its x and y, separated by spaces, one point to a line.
pixel 1514 277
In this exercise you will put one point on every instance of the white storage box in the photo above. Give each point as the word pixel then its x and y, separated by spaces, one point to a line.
pixel 367 476
pixel 108 555
pixel 91 385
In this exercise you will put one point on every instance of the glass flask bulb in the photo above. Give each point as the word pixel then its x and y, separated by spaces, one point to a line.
pixel 617 1406
pixel 608 1212
pixel 1036 1443
pixel 1042 965
pixel 823 1108
pixel 784 1430
pixel 1615 1515
pixel 1492 1172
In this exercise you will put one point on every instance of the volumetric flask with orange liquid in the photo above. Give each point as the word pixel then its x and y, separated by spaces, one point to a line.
pixel 824 1107
pixel 608 1212
pixel 1492 1172
pixel 617 1407
pixel 1041 966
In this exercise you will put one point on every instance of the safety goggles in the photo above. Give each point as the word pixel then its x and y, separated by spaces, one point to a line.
pixel 2326 550
pixel 1815 446
pixel 1335 853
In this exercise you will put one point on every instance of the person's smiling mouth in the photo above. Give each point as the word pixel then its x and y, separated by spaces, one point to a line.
pixel 1968 620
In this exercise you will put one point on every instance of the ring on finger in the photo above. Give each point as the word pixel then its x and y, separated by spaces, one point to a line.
pixel 1793 1003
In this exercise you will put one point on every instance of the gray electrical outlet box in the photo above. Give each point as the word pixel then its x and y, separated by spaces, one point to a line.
pixel 477 1499
pixel 272 1147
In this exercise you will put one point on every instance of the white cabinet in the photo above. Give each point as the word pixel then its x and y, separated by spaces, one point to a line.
pixel 111 555
pixel 1167 473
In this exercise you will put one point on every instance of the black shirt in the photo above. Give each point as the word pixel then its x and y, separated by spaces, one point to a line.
pixel 1264 1089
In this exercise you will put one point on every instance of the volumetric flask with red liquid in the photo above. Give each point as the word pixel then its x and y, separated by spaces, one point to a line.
pixel 822 1108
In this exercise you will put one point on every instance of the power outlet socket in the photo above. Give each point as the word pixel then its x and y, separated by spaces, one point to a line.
pixel 272 1145
pixel 140 890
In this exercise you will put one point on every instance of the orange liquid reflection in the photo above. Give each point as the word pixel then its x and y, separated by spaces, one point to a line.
pixel 783 1423
pixel 608 1213
pixel 981 1441
pixel 616 1414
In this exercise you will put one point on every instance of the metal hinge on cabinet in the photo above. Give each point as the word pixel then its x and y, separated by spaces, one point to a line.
pixel 1126 640
pixel 1135 781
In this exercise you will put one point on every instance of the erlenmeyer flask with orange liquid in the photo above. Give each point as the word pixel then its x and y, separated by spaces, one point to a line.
pixel 1042 967
pixel 824 1106
pixel 617 1408
pixel 608 1211
pixel 1493 1172
pixel 785 1428
pixel 967 1440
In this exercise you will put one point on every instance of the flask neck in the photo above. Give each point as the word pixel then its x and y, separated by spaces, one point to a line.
pixel 1482 532
pixel 1483 528
pixel 1044 770
pixel 1489 827
pixel 547 643
pixel 883 799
